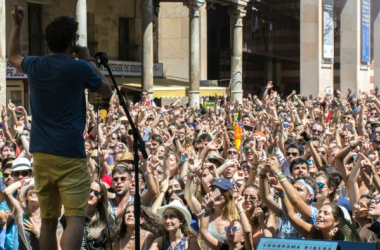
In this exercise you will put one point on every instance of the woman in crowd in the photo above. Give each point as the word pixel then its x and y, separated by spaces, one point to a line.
pixel 262 220
pixel 238 232
pixel 95 233
pixel 26 212
pixel 177 233
pixel 124 229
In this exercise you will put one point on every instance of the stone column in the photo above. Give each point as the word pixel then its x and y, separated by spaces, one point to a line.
pixel 194 50
pixel 147 47
pixel 237 12
pixel 316 72
pixel 3 60
pixel 376 41
pixel 353 73
pixel 81 17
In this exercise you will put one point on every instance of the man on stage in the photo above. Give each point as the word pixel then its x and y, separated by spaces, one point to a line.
pixel 58 106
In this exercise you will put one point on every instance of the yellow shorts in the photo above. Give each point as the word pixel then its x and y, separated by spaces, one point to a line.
pixel 61 181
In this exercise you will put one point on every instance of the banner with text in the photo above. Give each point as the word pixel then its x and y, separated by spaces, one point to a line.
pixel 120 68
pixel 366 29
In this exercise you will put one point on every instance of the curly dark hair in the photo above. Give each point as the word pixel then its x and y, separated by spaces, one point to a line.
pixel 152 224
pixel 60 33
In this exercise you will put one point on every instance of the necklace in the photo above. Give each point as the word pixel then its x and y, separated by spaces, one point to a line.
pixel 131 237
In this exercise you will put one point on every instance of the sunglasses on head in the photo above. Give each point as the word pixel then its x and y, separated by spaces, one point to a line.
pixel 320 185
pixel 116 179
pixel 23 173
pixel 292 154
pixel 230 152
pixel 229 229
pixel 96 192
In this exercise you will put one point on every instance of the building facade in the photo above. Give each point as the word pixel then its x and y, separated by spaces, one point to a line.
pixel 196 48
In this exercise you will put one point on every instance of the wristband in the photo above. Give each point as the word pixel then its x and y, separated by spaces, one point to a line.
pixel 254 169
pixel 262 176
pixel 282 179
pixel 282 195
pixel 22 181
pixel 190 176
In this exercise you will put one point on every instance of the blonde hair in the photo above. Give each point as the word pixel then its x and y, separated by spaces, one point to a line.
pixel 230 212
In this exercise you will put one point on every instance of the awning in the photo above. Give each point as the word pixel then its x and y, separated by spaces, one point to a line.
pixel 169 88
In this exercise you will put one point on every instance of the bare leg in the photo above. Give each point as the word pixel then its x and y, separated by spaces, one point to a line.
pixel 48 238
pixel 72 237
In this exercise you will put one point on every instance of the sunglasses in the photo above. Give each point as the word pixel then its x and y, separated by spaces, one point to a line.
pixel 23 173
pixel 376 133
pixel 285 125
pixel 116 179
pixel 230 152
pixel 197 130
pixel 343 136
pixel 320 185
pixel 316 131
pixel 375 200
pixel 346 118
pixel 309 161
pixel 322 152
pixel 246 149
pixel 96 192
pixel 250 198
pixel 292 154
pixel 238 185
pixel 160 172
pixel 6 175
pixel 76 37
pixel 229 229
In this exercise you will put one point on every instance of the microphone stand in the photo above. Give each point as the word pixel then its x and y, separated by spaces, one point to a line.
pixel 138 144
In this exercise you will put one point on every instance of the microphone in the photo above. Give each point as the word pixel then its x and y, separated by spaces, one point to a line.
pixel 76 49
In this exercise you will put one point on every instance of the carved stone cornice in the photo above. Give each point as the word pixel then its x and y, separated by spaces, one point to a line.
pixel 194 6
pixel 237 12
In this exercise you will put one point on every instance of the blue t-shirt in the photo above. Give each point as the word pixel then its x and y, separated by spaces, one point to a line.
pixel 9 238
pixel 287 230
pixel 57 103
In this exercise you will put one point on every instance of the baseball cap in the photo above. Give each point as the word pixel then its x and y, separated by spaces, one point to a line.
pixel 223 184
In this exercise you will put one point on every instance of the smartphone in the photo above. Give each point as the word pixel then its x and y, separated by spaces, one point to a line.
pixel 215 193
pixel 116 127
pixel 304 135
pixel 248 128
pixel 17 109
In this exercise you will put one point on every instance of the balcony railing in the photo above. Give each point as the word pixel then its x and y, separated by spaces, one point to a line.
pixel 128 52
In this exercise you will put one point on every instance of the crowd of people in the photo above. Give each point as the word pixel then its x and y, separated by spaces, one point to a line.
pixel 218 176
pixel 304 168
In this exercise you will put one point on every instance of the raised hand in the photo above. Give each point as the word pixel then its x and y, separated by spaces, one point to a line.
pixel 18 14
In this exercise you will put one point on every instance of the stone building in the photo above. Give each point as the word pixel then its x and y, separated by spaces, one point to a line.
pixel 197 48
